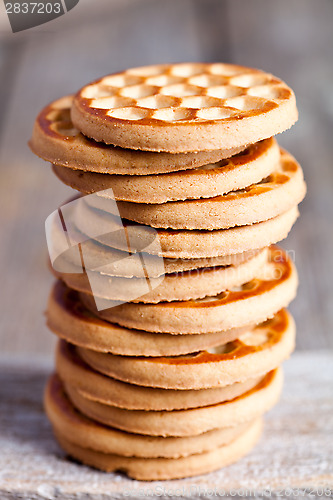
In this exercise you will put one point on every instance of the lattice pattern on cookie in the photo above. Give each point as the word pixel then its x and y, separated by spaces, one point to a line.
pixel 276 270
pixel 282 174
pixel 57 118
pixel 185 92
pixel 265 199
pixel 261 337
pixel 56 139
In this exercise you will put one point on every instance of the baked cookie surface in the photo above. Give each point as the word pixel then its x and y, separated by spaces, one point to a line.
pixel 185 285
pixel 185 244
pixel 70 320
pixel 282 190
pixel 184 107
pixel 273 289
pixel 55 139
pixel 95 386
pixel 251 355
pixel 237 172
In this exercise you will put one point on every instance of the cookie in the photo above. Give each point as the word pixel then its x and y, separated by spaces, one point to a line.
pixel 97 387
pixel 246 168
pixel 253 354
pixel 154 469
pixel 169 304
pixel 253 302
pixel 116 233
pixel 70 320
pixel 186 285
pixel 112 262
pixel 270 197
pixel 86 432
pixel 191 422
pixel 55 139
pixel 184 107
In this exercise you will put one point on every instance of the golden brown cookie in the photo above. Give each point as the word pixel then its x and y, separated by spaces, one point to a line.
pixel 184 107
pixel 116 233
pixel 248 167
pixel 154 469
pixel 270 197
pixel 98 387
pixel 253 354
pixel 112 262
pixel 253 302
pixel 84 431
pixel 185 285
pixel 55 139
pixel 191 422
pixel 70 320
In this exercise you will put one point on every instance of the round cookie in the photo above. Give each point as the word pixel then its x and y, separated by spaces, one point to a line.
pixel 97 387
pixel 270 197
pixel 253 354
pixel 254 302
pixel 184 107
pixel 246 168
pixel 154 469
pixel 112 262
pixel 111 231
pixel 81 430
pixel 191 422
pixel 55 139
pixel 186 285
pixel 70 320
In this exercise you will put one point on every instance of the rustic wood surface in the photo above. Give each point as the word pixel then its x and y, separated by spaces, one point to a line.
pixel 295 450
pixel 294 40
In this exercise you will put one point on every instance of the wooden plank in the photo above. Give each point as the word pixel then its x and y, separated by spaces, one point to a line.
pixel 212 26
pixel 53 63
pixel 295 450
pixel 294 40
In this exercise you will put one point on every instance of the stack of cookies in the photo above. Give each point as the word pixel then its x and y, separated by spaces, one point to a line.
pixel 171 294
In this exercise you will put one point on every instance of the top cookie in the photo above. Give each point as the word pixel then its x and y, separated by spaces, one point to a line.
pixel 55 139
pixel 184 107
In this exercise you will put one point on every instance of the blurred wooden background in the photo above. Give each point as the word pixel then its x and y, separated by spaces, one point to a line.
pixel 294 40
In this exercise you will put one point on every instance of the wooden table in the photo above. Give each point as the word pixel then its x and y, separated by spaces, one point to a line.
pixel 291 39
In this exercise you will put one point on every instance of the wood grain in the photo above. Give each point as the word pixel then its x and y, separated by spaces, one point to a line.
pixel 293 40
